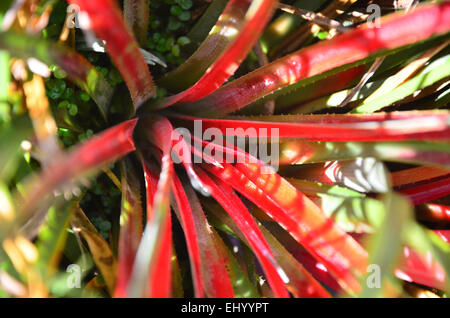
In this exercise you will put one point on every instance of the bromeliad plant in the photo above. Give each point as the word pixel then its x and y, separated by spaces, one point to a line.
pixel 357 208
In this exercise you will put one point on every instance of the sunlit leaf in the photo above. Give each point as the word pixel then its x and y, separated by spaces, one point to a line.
pixel 383 260
pixel 301 284
pixel 11 137
pixel 225 195
pixel 308 225
pixel 227 63
pixel 434 72
pixel 110 145
pixel 324 56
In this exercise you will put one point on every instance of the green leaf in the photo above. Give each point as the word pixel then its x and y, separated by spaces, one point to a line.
pixel 426 241
pixel 4 6
pixel 52 238
pixel 11 136
pixel 386 245
pixel 4 86
pixel 436 71
pixel 351 210
pixel 242 286
pixel 415 152
pixel 7 209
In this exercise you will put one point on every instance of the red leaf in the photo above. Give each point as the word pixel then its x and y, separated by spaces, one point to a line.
pixel 77 68
pixel 155 249
pixel 160 132
pixel 347 127
pixel 406 177
pixel 161 278
pixel 208 270
pixel 257 16
pixel 340 253
pixel 436 213
pixel 152 263
pixel 418 267
pixel 130 227
pixel 221 35
pixel 429 191
pixel 226 197
pixel 101 149
pixel 421 269
pixel 160 281
pixel 301 283
pixel 396 30
pixel 137 14
pixel 445 234
pixel 106 20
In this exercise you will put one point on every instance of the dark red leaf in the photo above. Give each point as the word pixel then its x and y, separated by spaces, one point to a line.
pixel 339 253
pixel 131 217
pixel 101 149
pixel 347 127
pixel 226 197
pixel 106 20
pixel 208 270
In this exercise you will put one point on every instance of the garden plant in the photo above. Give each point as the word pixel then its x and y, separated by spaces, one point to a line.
pixel 214 148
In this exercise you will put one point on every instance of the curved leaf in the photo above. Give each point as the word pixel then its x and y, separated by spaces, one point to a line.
pixel 101 252
pixel 346 127
pixel 256 18
pixel 434 72
pixel 396 30
pixel 410 176
pixel 429 191
pixel 225 195
pixel 221 35
pixel 301 283
pixel 300 217
pixel 155 248
pixel 203 26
